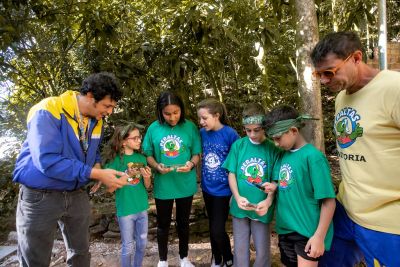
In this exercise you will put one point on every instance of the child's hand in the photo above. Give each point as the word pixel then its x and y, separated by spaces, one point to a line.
pixel 269 187
pixel 187 168
pixel 315 246
pixel 145 172
pixel 244 204
pixel 162 169
pixel 95 187
pixel 132 172
pixel 263 206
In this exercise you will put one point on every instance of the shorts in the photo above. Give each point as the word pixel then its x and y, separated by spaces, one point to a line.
pixel 352 242
pixel 291 245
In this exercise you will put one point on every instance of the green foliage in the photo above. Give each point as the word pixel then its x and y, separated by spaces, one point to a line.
pixel 237 51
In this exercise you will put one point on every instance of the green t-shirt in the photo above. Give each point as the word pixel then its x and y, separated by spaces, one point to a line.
pixel 304 179
pixel 251 163
pixel 172 146
pixel 131 198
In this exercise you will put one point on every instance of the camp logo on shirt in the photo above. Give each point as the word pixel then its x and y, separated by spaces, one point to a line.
pixel 171 146
pixel 285 177
pixel 346 127
pixel 133 170
pixel 253 170
pixel 212 161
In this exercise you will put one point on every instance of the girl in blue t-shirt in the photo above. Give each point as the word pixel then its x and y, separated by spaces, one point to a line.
pixel 216 140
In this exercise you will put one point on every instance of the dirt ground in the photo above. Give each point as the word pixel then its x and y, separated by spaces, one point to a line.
pixel 106 253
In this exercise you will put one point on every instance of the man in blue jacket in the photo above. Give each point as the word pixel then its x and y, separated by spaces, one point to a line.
pixel 59 156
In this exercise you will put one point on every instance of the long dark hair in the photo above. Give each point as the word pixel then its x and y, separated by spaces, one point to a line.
pixel 169 98
pixel 114 145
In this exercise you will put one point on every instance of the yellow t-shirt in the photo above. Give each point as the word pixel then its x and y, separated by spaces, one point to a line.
pixel 367 128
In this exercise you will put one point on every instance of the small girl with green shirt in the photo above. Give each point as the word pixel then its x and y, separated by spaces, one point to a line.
pixel 250 163
pixel 131 201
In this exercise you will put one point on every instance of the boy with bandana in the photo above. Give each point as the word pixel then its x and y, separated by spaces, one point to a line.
pixel 305 193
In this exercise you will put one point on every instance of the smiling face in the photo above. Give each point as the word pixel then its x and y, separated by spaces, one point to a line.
pixel 172 114
pixel 100 109
pixel 210 122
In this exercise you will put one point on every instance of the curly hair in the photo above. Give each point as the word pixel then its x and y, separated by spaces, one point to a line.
pixel 101 84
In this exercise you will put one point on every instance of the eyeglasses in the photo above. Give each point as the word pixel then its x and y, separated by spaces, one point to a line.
pixel 330 73
pixel 135 138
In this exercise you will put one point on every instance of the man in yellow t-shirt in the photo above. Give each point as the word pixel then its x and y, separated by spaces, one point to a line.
pixel 367 129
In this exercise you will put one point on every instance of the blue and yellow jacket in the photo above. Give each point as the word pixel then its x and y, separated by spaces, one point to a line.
pixel 51 156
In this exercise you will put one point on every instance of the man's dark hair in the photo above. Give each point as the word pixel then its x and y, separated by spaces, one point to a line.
pixel 280 113
pixel 102 84
pixel 342 44
pixel 169 98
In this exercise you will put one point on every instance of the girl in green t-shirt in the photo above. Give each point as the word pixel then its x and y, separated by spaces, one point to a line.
pixel 172 146
pixel 250 163
pixel 122 154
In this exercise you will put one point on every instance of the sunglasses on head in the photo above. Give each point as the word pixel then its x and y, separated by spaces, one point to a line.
pixel 330 73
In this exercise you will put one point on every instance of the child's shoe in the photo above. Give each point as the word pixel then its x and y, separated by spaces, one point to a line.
pixel 213 263
pixel 228 263
pixel 186 263
pixel 162 264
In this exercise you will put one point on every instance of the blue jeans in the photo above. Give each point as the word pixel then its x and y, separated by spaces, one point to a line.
pixel 243 228
pixel 38 213
pixel 133 229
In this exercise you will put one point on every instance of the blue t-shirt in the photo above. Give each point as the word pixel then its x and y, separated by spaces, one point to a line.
pixel 216 146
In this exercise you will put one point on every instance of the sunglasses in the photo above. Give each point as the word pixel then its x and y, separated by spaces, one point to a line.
pixel 330 73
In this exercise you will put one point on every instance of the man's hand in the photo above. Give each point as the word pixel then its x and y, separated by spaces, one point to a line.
pixel 109 177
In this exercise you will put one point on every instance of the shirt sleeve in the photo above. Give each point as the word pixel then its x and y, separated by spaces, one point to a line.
pixel 46 146
pixel 196 141
pixel 147 145
pixel 320 175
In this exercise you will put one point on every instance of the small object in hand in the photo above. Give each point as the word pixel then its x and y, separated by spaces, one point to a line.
pixel 259 186
pixel 174 167
pixel 135 165
pixel 251 205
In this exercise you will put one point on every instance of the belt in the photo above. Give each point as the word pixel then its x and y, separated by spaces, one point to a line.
pixel 54 190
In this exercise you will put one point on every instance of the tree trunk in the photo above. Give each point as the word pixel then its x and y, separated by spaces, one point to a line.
pixel 309 87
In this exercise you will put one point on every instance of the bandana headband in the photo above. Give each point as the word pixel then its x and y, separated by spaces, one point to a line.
pixel 281 127
pixel 258 119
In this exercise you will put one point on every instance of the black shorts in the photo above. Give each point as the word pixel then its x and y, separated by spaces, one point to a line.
pixel 291 245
